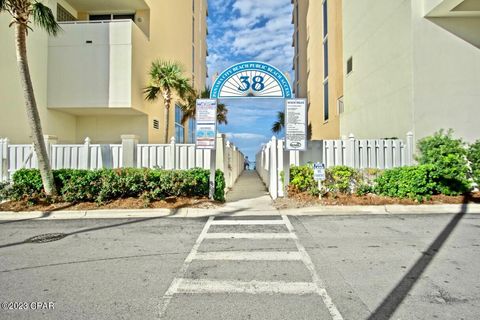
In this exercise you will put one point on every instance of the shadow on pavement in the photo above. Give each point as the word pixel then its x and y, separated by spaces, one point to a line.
pixel 395 298
pixel 174 212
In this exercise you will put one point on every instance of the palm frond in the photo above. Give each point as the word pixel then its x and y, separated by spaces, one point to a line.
pixel 151 93
pixel 44 18
pixel 3 4
pixel 278 125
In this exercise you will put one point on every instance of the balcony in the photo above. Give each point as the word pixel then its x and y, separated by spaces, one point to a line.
pixel 460 17
pixel 90 66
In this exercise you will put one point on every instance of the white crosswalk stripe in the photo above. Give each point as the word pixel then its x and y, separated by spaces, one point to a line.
pixel 250 287
pixel 181 284
pixel 249 256
pixel 255 236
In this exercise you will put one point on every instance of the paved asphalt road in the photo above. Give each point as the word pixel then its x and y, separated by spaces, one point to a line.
pixel 350 267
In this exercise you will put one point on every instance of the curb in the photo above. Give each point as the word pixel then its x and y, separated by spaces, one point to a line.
pixel 225 211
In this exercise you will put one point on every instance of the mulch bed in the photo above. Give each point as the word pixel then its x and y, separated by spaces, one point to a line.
pixel 302 200
pixel 128 203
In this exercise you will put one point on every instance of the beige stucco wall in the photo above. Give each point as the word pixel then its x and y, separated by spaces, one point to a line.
pixel 446 78
pixel 321 129
pixel 13 121
pixel 378 93
pixel 155 38
pixel 108 129
pixel 300 61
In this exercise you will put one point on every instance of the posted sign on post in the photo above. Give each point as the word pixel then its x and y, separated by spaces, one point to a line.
pixel 296 124
pixel 319 171
pixel 206 116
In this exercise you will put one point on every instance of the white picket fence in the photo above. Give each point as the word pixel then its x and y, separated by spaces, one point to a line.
pixel 351 152
pixel 173 156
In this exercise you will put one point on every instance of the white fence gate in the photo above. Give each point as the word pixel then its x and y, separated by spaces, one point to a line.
pixel 355 153
pixel 173 156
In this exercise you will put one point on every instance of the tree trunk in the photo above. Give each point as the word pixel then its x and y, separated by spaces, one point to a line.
pixel 33 117
pixel 167 101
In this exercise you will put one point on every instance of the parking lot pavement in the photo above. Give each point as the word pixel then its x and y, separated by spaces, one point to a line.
pixel 270 267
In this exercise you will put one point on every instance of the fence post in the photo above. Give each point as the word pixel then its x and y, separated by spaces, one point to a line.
pixel 4 159
pixel 49 141
pixel 410 142
pixel 220 152
pixel 351 151
pixel 274 168
pixel 170 164
pixel 129 150
pixel 86 154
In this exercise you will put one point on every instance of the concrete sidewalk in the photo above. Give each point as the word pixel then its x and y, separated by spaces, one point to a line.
pixel 239 211
pixel 249 194
pixel 248 197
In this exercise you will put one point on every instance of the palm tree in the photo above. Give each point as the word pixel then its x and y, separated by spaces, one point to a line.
pixel 278 125
pixel 23 12
pixel 189 107
pixel 166 79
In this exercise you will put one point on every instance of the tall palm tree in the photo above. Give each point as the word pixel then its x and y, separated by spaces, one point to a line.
pixel 23 12
pixel 189 107
pixel 167 79
pixel 279 124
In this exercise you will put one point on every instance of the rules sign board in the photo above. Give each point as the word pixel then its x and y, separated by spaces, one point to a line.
pixel 296 124
pixel 319 171
pixel 206 116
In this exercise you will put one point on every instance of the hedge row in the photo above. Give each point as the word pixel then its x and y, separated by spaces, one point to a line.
pixel 446 166
pixel 110 184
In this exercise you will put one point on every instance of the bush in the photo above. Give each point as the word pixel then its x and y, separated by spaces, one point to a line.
pixel 4 191
pixel 474 158
pixel 339 179
pixel 301 178
pixel 342 179
pixel 448 156
pixel 110 184
pixel 415 182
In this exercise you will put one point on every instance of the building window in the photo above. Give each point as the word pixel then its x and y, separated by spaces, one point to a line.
pixel 106 17
pixel 326 114
pixel 193 30
pixel 193 5
pixel 325 18
pixel 325 58
pixel 193 59
pixel 63 14
pixel 349 65
pixel 156 124
pixel 191 130
pixel 179 128
pixel 326 108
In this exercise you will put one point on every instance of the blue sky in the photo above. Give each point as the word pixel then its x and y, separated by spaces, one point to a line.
pixel 243 30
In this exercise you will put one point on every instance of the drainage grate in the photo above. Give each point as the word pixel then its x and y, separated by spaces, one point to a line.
pixel 44 238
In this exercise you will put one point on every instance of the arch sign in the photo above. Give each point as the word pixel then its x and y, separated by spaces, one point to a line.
pixel 251 79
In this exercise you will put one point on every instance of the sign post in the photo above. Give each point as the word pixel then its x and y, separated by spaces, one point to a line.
pixel 206 134
pixel 319 175
pixel 295 133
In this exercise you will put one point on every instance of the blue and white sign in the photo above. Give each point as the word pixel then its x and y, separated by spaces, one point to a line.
pixel 251 79
pixel 319 171
pixel 206 116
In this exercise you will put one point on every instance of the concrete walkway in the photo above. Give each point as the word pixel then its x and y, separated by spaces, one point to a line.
pixel 249 193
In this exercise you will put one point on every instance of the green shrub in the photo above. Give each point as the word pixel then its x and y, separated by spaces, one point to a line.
pixel 342 179
pixel 26 183
pixel 110 184
pixel 301 178
pixel 448 156
pixel 474 158
pixel 416 182
pixel 4 191
pixel 219 186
